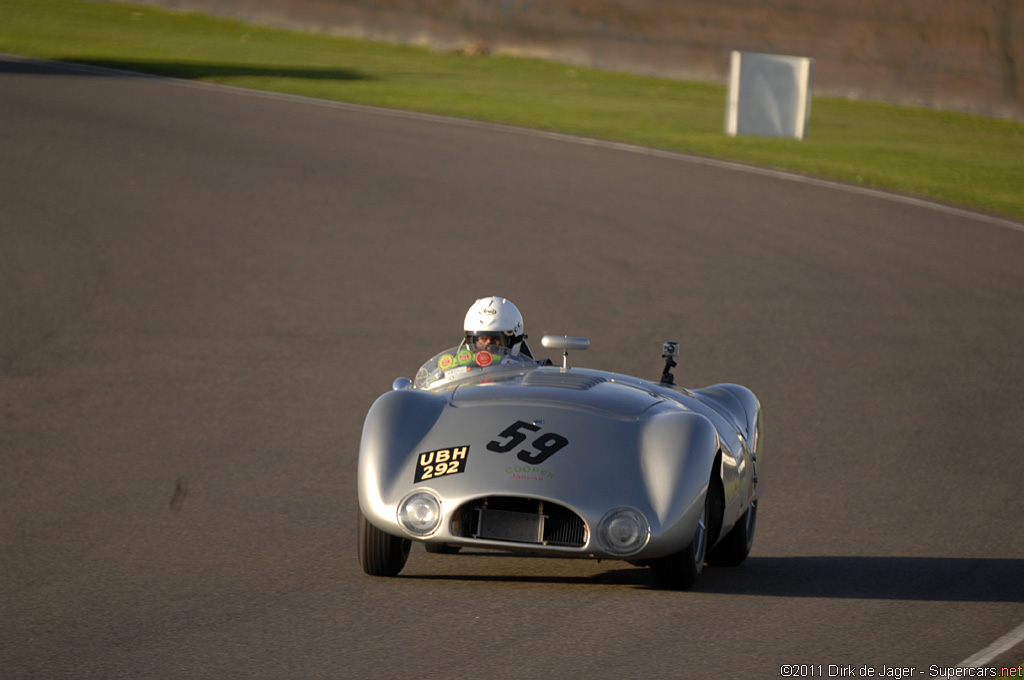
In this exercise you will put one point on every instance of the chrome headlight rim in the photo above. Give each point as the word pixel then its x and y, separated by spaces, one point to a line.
pixel 419 513
pixel 614 522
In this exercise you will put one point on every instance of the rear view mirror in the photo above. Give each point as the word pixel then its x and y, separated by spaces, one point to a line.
pixel 564 342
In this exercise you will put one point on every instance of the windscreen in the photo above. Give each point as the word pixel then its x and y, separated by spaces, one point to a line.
pixel 465 361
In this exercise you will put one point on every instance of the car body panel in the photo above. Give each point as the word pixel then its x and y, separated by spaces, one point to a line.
pixel 583 439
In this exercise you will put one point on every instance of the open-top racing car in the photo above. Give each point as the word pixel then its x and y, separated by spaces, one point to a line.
pixel 489 448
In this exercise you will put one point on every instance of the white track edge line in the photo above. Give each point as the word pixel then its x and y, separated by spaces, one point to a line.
pixel 558 136
pixel 1003 644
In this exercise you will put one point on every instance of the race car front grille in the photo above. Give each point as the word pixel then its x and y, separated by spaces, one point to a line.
pixel 520 520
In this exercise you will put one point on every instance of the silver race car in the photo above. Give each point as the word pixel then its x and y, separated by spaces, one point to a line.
pixel 489 448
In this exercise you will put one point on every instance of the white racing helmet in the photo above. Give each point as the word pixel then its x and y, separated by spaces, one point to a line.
pixel 497 317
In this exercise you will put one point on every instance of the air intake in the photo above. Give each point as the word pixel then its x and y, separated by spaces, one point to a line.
pixel 520 520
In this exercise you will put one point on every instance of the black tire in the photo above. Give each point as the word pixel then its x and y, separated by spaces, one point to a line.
pixel 381 554
pixel 441 548
pixel 735 547
pixel 680 571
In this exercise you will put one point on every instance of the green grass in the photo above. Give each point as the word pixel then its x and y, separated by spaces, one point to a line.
pixel 952 157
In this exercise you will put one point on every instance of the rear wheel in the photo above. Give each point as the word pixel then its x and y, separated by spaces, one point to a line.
pixel 381 554
pixel 680 571
pixel 735 547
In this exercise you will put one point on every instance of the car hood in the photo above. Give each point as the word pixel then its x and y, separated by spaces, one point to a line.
pixel 576 437
pixel 610 395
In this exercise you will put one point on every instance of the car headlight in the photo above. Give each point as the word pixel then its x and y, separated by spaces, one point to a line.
pixel 420 513
pixel 623 531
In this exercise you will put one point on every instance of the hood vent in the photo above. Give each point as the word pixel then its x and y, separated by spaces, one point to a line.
pixel 574 381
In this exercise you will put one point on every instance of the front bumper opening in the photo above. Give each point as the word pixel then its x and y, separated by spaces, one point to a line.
pixel 520 520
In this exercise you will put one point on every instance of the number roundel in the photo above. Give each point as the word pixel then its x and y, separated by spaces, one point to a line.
pixel 544 446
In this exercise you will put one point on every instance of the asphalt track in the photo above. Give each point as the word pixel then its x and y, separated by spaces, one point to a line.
pixel 203 290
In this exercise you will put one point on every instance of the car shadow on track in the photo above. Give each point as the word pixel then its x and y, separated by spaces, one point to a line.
pixel 502 567
pixel 871 578
pixel 878 578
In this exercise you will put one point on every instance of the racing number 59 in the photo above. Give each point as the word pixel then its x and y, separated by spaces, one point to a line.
pixel 546 445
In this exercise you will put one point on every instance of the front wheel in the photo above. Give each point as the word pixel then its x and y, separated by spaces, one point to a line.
pixel 735 547
pixel 381 554
pixel 680 571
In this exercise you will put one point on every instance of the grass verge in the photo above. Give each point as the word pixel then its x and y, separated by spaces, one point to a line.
pixel 956 158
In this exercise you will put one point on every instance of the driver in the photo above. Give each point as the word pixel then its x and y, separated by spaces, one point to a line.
pixel 496 321
pixel 493 336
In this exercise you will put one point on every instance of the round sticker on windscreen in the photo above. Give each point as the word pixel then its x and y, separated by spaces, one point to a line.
pixel 484 359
